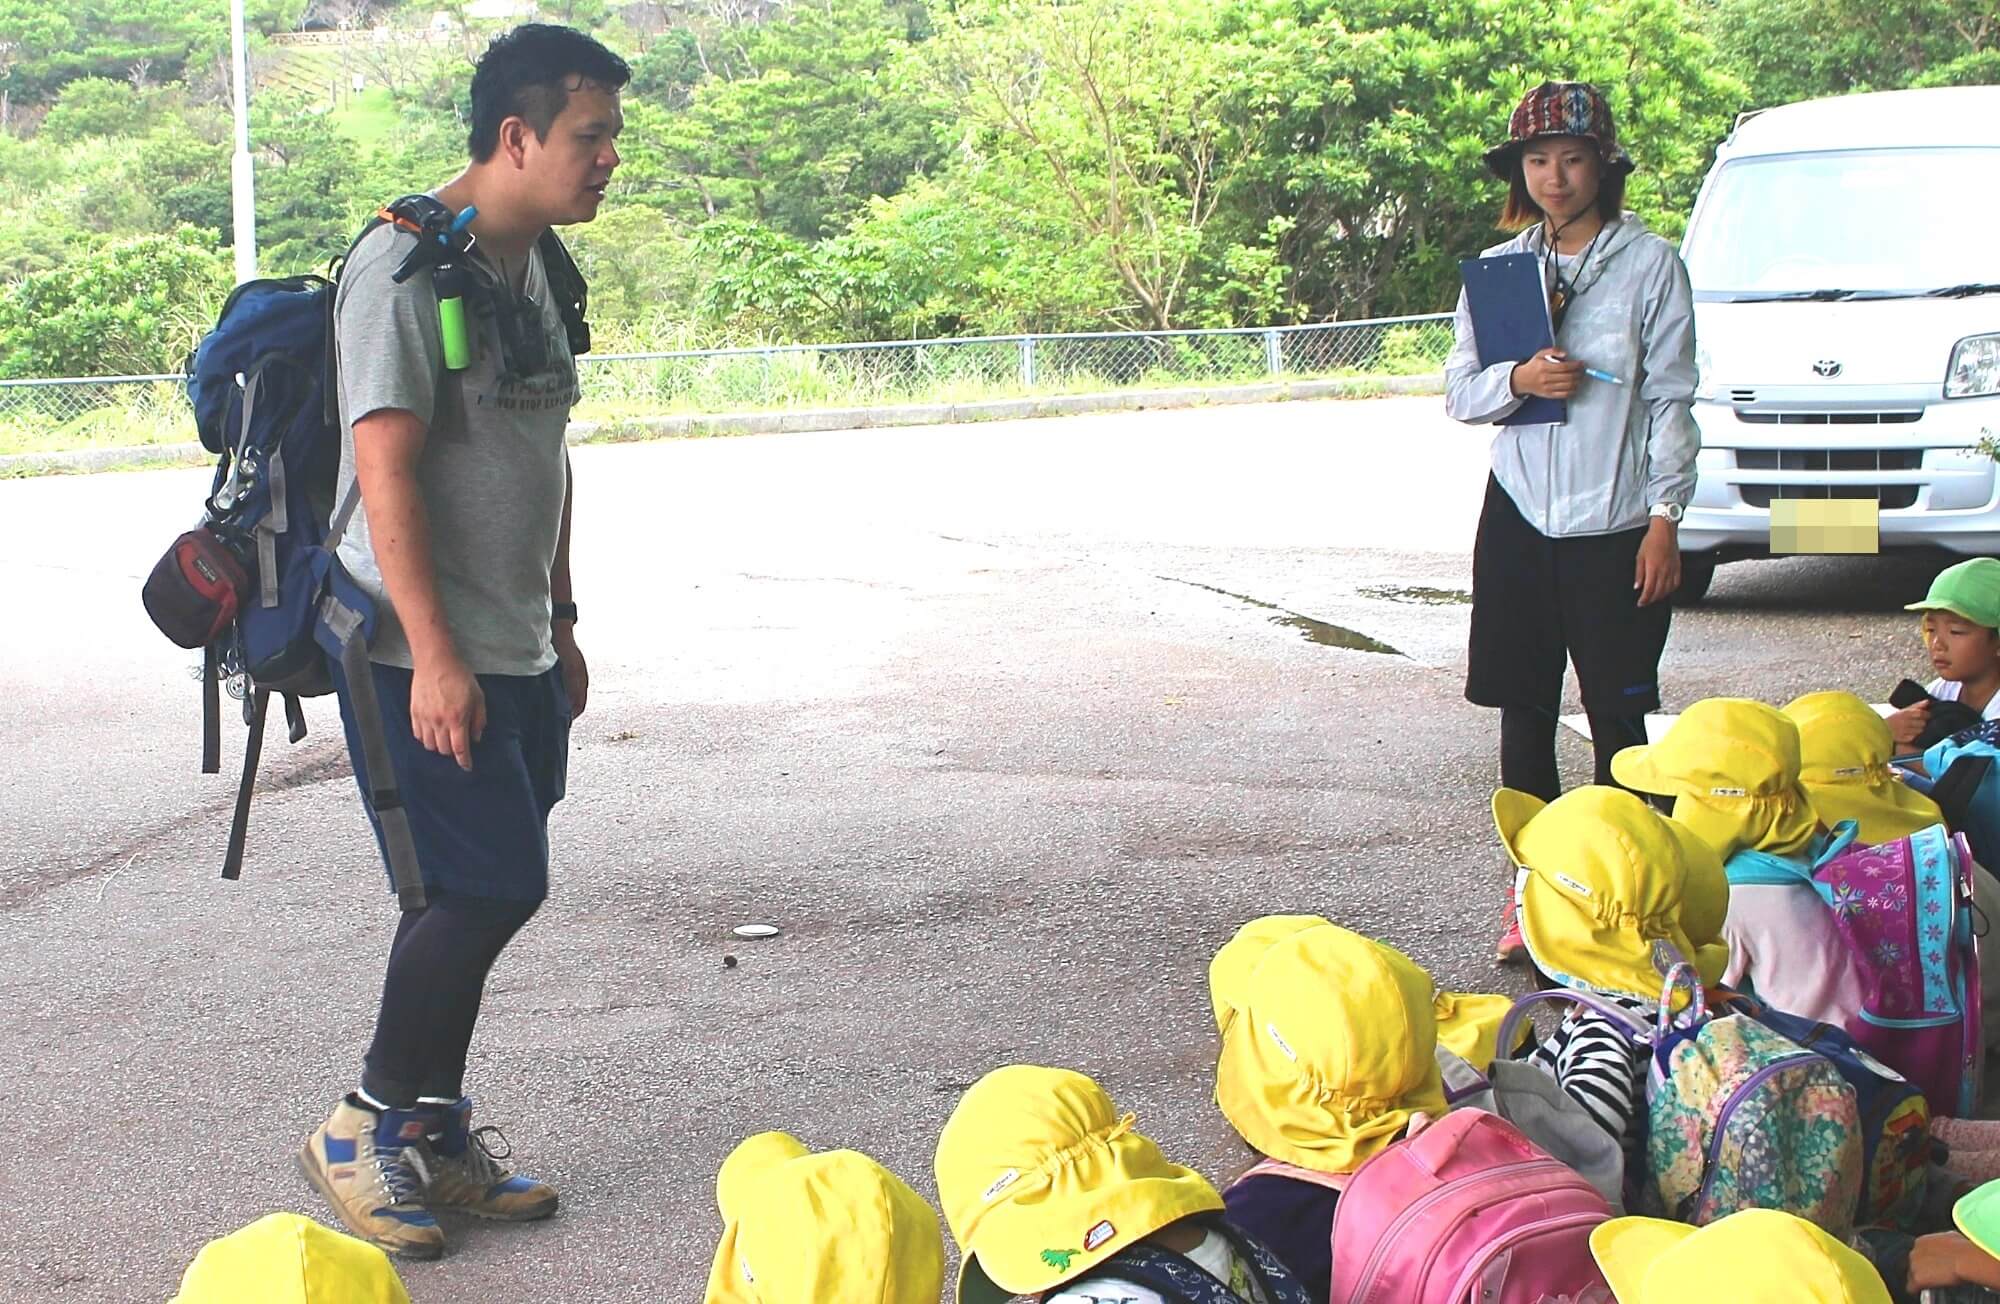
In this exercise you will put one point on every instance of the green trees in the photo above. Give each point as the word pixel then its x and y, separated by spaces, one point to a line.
pixel 892 168
pixel 1802 49
pixel 127 307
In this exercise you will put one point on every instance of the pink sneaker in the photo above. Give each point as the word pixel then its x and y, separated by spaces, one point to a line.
pixel 1511 948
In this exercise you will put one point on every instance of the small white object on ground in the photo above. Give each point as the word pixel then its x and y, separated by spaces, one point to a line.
pixel 1658 723
pixel 755 930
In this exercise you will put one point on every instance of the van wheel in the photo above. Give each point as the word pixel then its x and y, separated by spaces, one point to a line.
pixel 1697 573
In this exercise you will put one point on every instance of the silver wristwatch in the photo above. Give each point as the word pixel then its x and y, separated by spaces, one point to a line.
pixel 1672 511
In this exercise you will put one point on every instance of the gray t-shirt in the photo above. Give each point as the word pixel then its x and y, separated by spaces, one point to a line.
pixel 494 470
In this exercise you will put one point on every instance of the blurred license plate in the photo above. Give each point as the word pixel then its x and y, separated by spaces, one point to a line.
pixel 1826 525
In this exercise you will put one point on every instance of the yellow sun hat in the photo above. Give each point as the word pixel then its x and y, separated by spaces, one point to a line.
pixel 1229 971
pixel 1757 1256
pixel 1333 1048
pixel 1844 751
pixel 1468 1023
pixel 285 1259
pixel 1732 766
pixel 1042 1180
pixel 1601 888
pixel 829 1226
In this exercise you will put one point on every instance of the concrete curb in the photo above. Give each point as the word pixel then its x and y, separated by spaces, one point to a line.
pixel 87 460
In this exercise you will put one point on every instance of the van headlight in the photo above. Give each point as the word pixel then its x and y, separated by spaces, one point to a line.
pixel 1975 367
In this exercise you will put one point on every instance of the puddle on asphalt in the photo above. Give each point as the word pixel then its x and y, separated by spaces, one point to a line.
pixel 1420 595
pixel 1312 629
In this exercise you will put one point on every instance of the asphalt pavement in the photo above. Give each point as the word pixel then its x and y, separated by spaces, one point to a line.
pixel 1005 726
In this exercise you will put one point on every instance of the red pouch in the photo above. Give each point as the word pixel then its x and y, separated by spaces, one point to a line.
pixel 196 589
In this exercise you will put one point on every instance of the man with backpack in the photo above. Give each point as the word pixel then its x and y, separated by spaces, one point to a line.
pixel 456 375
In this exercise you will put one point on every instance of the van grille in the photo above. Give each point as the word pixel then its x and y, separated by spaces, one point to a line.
pixel 1891 496
pixel 1830 418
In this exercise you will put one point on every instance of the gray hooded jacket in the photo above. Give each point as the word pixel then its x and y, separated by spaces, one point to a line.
pixel 1624 447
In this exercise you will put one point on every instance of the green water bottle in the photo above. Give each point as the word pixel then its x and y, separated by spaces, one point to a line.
pixel 448 279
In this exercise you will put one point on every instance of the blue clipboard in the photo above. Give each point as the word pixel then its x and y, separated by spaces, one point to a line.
pixel 1510 323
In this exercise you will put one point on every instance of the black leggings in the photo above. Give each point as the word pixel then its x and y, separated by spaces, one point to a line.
pixel 1528 747
pixel 430 997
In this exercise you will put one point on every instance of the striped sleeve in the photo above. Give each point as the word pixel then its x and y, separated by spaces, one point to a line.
pixel 1599 1067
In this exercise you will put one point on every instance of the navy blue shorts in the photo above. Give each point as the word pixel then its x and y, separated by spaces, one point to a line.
pixel 484 833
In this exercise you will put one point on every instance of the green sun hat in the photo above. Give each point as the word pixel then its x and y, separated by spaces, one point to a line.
pixel 1970 589
pixel 1977 1214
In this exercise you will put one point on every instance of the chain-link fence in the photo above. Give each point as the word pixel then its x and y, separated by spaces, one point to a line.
pixel 125 411
pixel 1002 366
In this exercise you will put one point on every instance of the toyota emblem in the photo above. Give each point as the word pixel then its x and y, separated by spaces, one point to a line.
pixel 1826 367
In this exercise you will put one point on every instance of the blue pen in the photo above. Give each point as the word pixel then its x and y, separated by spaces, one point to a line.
pixel 1606 376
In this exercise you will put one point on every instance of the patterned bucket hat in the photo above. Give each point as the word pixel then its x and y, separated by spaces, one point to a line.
pixel 1560 109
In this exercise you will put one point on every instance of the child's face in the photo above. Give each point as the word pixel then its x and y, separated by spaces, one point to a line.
pixel 1960 650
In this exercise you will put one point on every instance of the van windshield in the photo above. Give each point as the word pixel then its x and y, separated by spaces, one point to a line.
pixel 1849 224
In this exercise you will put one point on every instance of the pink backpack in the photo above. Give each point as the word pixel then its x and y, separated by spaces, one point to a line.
pixel 1464 1211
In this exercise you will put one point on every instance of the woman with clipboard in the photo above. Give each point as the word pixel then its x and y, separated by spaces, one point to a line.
pixel 1577 550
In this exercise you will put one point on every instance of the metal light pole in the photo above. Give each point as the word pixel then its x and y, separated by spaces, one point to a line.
pixel 241 188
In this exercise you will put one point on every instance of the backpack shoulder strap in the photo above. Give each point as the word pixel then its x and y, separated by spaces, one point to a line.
pixel 1749 868
pixel 1839 841
pixel 572 294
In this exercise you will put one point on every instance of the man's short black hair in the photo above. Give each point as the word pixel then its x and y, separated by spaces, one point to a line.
pixel 529 73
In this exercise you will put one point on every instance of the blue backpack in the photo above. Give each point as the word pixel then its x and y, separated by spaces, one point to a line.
pixel 263 402
pixel 1963 779
pixel 257 585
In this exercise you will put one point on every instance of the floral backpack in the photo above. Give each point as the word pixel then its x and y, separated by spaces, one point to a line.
pixel 1739 1116
pixel 1896 1145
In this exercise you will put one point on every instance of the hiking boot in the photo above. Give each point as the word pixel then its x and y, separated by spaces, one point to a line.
pixel 369 1166
pixel 466 1174
pixel 1511 947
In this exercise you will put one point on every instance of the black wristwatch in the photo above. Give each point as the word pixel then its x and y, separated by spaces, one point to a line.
pixel 563 611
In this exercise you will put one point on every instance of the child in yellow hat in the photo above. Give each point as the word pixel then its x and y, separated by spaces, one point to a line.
pixel 286 1259
pixel 1602 880
pixel 1051 1193
pixel 1961 632
pixel 1329 1050
pixel 1844 751
pixel 1468 1023
pixel 799 1228
pixel 1732 767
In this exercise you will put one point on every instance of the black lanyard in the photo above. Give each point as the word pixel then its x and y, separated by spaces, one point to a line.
pixel 1566 292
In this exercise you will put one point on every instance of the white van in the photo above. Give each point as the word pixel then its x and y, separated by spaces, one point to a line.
pixel 1846 273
